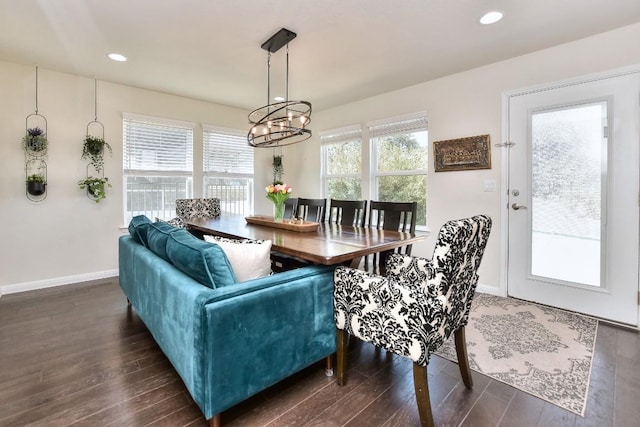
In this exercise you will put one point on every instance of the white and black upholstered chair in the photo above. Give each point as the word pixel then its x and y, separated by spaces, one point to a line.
pixel 417 306
pixel 187 209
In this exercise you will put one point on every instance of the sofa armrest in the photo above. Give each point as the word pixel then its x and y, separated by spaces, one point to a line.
pixel 257 338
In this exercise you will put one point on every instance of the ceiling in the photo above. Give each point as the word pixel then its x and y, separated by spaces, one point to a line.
pixel 345 50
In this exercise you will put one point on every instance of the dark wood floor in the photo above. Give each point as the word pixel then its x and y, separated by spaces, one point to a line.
pixel 74 355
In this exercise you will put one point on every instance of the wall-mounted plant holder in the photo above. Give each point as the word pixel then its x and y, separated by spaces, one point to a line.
pixel 93 150
pixel 35 145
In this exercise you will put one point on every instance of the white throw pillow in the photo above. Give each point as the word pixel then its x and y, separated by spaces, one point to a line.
pixel 250 259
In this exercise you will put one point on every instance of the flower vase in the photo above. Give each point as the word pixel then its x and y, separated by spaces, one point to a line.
pixel 278 211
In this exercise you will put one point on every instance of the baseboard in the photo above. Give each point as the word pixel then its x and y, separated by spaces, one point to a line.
pixel 57 281
pixel 491 290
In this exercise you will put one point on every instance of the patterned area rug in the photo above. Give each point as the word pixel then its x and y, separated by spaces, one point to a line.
pixel 540 350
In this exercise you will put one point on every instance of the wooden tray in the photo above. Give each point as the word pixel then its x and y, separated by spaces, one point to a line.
pixel 268 221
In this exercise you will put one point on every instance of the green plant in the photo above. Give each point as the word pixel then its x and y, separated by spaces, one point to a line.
pixel 96 187
pixel 93 150
pixel 278 170
pixel 35 140
pixel 36 184
pixel 36 177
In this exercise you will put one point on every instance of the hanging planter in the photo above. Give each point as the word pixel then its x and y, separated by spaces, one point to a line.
pixel 93 150
pixel 96 187
pixel 278 169
pixel 35 145
pixel 35 141
pixel 36 184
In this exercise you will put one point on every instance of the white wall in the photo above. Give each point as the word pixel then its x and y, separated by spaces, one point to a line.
pixel 67 237
pixel 466 104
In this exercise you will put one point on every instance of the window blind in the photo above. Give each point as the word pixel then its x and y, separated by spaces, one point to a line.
pixel 341 135
pixel 397 126
pixel 227 151
pixel 156 146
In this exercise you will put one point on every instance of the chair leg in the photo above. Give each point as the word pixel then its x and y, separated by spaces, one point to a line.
pixel 421 386
pixel 328 370
pixel 342 337
pixel 215 421
pixel 463 359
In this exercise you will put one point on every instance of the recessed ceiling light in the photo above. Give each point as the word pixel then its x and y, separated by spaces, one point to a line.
pixel 117 57
pixel 278 98
pixel 491 17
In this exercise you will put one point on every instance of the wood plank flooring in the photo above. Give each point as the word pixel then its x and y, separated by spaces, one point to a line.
pixel 75 355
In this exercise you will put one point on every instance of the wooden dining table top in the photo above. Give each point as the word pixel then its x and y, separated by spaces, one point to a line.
pixel 330 244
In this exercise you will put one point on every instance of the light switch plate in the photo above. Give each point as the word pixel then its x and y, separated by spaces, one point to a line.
pixel 489 185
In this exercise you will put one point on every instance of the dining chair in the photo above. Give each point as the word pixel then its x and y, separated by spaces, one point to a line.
pixel 347 212
pixel 293 209
pixel 187 209
pixel 290 207
pixel 312 209
pixel 396 216
pixel 417 306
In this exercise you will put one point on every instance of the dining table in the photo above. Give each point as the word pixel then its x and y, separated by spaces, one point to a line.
pixel 319 243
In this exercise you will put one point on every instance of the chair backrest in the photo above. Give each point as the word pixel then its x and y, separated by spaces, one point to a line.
pixel 452 273
pixel 347 212
pixel 397 216
pixel 290 207
pixel 197 208
pixel 312 209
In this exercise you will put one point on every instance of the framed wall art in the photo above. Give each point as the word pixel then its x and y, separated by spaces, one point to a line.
pixel 461 154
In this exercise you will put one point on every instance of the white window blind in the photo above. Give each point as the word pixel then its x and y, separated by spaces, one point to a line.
pixel 157 165
pixel 227 152
pixel 228 169
pixel 397 126
pixel 152 146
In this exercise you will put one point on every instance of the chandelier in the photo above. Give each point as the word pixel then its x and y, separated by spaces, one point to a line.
pixel 284 122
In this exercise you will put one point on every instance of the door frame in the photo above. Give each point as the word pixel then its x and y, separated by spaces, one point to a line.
pixel 505 158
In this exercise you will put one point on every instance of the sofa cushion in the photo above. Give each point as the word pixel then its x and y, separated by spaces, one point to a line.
pixel 200 260
pixel 250 259
pixel 138 228
pixel 157 236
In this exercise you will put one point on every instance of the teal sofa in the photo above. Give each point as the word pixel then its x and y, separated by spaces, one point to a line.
pixel 226 340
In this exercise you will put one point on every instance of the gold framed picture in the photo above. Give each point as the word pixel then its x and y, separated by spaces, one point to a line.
pixel 461 154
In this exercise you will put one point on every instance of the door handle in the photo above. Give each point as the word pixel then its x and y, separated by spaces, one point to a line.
pixel 516 207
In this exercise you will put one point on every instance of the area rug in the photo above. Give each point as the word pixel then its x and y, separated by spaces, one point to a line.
pixel 540 350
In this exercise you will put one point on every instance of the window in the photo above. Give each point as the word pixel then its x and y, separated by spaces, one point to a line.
pixel 399 162
pixel 342 163
pixel 157 165
pixel 228 169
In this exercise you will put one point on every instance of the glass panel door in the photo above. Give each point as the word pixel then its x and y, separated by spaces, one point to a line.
pixel 568 182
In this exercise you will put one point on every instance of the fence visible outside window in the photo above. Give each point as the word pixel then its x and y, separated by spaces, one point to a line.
pixel 399 157
pixel 228 169
pixel 157 165
pixel 342 163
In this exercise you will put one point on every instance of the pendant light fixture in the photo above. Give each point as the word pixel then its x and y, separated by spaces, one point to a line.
pixel 284 122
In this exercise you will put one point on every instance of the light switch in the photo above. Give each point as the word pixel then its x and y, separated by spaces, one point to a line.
pixel 489 185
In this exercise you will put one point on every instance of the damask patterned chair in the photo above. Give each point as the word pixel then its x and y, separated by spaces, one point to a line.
pixel 417 306
pixel 195 208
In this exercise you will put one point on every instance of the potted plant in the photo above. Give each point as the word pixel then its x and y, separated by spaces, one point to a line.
pixel 35 140
pixel 93 150
pixel 36 185
pixel 96 187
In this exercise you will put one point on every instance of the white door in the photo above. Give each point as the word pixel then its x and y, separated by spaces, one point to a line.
pixel 573 196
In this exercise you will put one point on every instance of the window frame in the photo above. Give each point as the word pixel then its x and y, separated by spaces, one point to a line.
pixel 208 172
pixel 338 136
pixel 129 119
